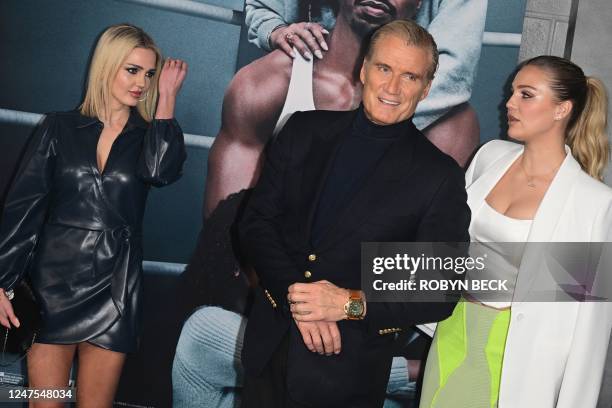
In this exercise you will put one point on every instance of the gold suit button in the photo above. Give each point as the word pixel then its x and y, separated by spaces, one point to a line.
pixel 307 274
pixel 312 257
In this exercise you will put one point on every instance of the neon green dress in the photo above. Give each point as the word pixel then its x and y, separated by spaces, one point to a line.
pixel 465 360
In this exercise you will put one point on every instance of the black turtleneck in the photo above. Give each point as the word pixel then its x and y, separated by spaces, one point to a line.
pixel 363 144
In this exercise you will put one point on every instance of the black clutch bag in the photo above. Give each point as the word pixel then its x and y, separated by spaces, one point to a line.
pixel 17 340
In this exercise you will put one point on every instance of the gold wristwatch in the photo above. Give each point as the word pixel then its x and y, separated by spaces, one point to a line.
pixel 354 309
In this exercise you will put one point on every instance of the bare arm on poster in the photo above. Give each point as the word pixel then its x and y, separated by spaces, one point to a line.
pixel 457 26
pixel 251 106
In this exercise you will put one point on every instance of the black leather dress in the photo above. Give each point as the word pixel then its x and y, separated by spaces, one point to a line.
pixel 77 231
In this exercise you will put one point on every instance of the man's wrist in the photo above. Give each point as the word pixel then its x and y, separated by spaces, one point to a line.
pixel 343 300
pixel 365 304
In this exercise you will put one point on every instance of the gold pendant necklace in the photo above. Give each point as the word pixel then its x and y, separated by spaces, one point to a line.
pixel 530 182
pixel 530 179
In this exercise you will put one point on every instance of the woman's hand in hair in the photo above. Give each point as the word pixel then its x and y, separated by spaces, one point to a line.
pixel 171 79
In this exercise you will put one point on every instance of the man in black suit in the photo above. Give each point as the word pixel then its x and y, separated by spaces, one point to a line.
pixel 330 181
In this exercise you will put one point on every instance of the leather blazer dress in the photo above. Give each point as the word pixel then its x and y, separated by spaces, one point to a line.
pixel 77 231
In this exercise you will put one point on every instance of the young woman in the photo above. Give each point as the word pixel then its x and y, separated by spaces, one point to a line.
pixel 73 216
pixel 532 354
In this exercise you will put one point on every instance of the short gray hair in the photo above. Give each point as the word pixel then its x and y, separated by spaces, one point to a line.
pixel 413 34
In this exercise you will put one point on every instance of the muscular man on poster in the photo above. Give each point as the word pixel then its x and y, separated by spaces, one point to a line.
pixel 330 181
pixel 260 92
pixel 260 97
pixel 456 26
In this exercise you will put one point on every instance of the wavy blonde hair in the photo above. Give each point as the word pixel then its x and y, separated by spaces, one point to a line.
pixel 113 47
pixel 586 129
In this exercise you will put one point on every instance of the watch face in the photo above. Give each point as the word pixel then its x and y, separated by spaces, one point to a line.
pixel 355 308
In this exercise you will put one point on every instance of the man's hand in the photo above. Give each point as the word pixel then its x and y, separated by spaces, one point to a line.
pixel 317 301
pixel 320 337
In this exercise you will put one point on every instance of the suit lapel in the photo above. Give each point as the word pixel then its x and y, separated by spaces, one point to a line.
pixel 549 211
pixel 484 183
pixel 545 221
pixel 320 160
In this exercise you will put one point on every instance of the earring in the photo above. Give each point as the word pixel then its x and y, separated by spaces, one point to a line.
pixel 144 97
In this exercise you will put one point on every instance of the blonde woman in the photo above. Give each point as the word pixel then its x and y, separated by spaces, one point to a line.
pixel 72 220
pixel 532 354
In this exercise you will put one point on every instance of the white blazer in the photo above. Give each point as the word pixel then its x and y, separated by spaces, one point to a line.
pixel 555 352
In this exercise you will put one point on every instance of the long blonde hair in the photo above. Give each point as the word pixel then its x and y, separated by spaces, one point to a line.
pixel 113 47
pixel 586 128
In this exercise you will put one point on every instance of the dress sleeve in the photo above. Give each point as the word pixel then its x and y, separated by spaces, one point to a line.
pixel 26 204
pixel 163 153
pixel 457 27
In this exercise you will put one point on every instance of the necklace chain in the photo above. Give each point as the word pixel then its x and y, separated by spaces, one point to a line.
pixel 530 182
pixel 530 179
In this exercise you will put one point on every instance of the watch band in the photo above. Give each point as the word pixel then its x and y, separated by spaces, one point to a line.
pixel 354 308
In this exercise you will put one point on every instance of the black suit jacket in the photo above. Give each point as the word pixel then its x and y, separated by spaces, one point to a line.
pixel 415 193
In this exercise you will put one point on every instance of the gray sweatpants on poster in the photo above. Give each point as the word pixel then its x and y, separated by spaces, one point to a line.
pixel 207 371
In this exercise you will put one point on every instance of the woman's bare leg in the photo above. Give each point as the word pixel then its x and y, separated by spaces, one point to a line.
pixel 49 367
pixel 98 376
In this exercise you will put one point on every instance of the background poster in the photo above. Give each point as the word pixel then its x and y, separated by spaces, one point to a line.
pixel 45 47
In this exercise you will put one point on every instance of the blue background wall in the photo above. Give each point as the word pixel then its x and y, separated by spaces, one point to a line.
pixel 45 46
pixel 495 68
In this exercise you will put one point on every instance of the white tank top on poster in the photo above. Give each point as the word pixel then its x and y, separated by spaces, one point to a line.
pixel 300 93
